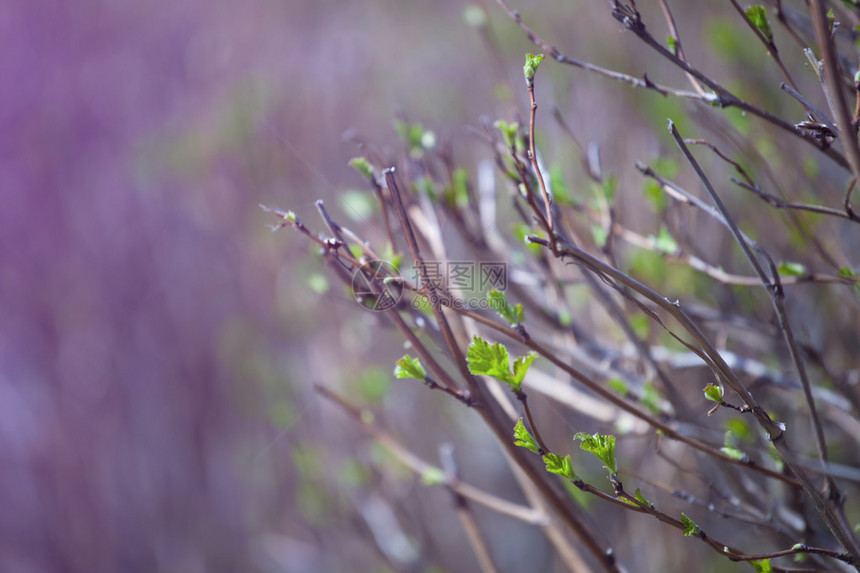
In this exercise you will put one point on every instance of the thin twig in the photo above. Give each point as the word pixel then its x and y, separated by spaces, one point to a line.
pixel 533 155
pixel 838 106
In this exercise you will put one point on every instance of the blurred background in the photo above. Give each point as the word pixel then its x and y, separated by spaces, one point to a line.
pixel 158 344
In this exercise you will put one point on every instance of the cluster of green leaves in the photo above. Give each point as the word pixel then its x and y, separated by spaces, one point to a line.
pixel 492 360
pixel 510 134
pixel 531 66
pixel 555 463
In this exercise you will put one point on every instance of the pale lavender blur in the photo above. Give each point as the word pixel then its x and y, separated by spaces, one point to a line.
pixel 152 367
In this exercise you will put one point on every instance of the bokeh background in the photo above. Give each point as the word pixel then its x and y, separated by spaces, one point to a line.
pixel 158 344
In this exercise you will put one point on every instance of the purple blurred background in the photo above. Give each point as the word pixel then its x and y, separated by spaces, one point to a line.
pixel 154 343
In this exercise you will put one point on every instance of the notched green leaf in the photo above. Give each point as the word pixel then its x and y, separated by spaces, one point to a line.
pixel 600 446
pixel 523 438
pixel 514 314
pixel 560 465
pixel 492 360
pixel 408 367
pixel 521 366
pixel 489 359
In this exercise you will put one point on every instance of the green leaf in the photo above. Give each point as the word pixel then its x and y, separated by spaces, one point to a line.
pixel 846 273
pixel 394 259
pixel 457 195
pixel 521 232
pixel 651 398
pixel 599 234
pixel 508 131
pixel 665 242
pixel 673 45
pixel 560 191
pixel 690 526
pixel 426 186
pixel 408 367
pixel 738 429
pixel 758 16
pixel 641 499
pixel 714 393
pixel 523 438
pixel 499 302
pixel 600 446
pixel 610 186
pixel 318 283
pixel 789 269
pixel 362 166
pixel 433 476
pixel 414 136
pixel 373 384
pixel 490 360
pixel 531 66
pixel 762 566
pixel 618 385
pixel 734 453
pixel 653 192
pixel 560 465
pixel 521 366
